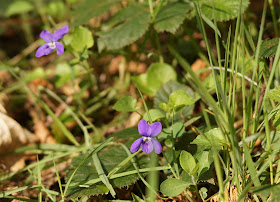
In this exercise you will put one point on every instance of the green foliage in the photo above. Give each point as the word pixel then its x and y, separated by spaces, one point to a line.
pixel 173 187
pixel 157 74
pixel 222 10
pixel 155 115
pixel 19 7
pixel 267 190
pixel 213 138
pixel 203 191
pixel 268 48
pixel 91 8
pixel 125 27
pixel 162 96
pixel 205 159
pixel 35 74
pixel 56 9
pixel 109 159
pixel 136 198
pixel 177 129
pixel 188 163
pixel 276 120
pixel 126 104
pixel 81 39
pixel 275 94
pixel 64 73
pixel 171 16
pixel 179 99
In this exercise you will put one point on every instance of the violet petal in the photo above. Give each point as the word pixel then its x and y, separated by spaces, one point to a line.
pixel 155 129
pixel 60 48
pixel 46 35
pixel 147 147
pixel 43 50
pixel 144 128
pixel 136 145
pixel 60 33
pixel 157 146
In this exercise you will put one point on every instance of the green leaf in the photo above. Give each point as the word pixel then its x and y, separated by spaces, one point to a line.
pixel 56 9
pixel 109 159
pixel 81 39
pixel 155 115
pixel 125 27
pixel 203 191
pixel 179 99
pixel 275 94
pixel 213 137
pixel 268 190
pixel 157 74
pixel 19 7
pixel 187 162
pixel 268 48
pixel 162 96
pixel 173 187
pixel 35 74
pixel 177 128
pixel 222 10
pixel 171 16
pixel 204 162
pixel 64 73
pixel 126 104
pixel 89 9
pixel 136 198
pixel 276 120
pixel 211 24
pixel 129 134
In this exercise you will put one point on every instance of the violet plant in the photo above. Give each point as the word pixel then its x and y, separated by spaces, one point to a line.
pixel 147 142
pixel 52 42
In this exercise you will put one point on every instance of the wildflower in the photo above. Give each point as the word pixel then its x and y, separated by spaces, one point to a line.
pixel 51 42
pixel 146 142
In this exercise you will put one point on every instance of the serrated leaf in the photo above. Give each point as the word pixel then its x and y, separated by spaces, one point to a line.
pixel 126 104
pixel 268 190
pixel 109 158
pixel 171 16
pixel 81 39
pixel 157 74
pixel 268 48
pixel 155 115
pixel 162 96
pixel 187 162
pixel 222 10
pixel 179 99
pixel 275 94
pixel 127 26
pixel 213 137
pixel 276 120
pixel 173 187
pixel 89 9
pixel 19 7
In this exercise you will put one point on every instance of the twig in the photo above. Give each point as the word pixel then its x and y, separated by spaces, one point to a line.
pixel 239 74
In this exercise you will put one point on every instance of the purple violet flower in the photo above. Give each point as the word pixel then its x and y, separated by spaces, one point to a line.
pixel 146 142
pixel 51 42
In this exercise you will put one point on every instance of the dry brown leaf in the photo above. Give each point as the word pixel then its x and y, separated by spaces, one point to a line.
pixel 12 136
pixel 199 65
